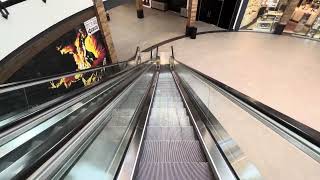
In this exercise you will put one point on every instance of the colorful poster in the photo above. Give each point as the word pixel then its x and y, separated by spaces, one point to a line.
pixel 80 49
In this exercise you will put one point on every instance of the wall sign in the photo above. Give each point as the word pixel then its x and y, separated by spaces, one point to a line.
pixel 92 25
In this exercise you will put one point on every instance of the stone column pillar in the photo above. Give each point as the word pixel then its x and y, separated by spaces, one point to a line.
pixel 192 13
pixel 139 7
pixel 292 4
pixel 105 30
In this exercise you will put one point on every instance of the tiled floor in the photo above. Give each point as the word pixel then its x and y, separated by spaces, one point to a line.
pixel 280 71
pixel 272 154
pixel 128 31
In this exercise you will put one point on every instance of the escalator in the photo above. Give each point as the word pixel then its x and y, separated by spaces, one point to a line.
pixel 171 149
pixel 150 122
pixel 30 142
pixel 95 161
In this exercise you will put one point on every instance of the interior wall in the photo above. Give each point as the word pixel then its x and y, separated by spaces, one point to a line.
pixel 29 18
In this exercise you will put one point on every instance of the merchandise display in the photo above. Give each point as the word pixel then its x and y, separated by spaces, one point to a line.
pixel 305 20
pixel 262 15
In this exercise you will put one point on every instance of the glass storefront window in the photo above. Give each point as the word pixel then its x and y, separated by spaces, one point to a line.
pixel 314 32
pixel 262 15
pixel 305 19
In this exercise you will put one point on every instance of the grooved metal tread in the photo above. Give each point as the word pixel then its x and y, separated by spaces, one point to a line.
pixel 174 171
pixel 170 133
pixel 172 151
pixel 163 121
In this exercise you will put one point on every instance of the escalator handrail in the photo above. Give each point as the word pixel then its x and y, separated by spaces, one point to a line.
pixel 50 167
pixel 32 82
pixel 297 127
pixel 63 98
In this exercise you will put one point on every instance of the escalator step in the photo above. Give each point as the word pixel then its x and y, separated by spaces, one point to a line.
pixel 172 151
pixel 174 171
pixel 170 133
pixel 163 121
pixel 168 121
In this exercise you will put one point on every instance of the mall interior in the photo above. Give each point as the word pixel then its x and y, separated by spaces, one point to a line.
pixel 160 89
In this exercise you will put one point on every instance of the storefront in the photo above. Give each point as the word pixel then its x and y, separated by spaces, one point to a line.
pixel 164 5
pixel 305 20
pixel 263 15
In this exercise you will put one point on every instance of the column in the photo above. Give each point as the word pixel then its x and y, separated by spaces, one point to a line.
pixel 105 30
pixel 139 7
pixel 192 13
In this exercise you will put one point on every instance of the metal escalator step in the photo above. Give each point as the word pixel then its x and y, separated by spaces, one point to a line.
pixel 168 104
pixel 184 121
pixel 170 133
pixel 166 109
pixel 168 120
pixel 163 121
pixel 172 151
pixel 174 171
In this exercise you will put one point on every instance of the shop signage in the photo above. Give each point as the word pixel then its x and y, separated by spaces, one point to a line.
pixel 91 26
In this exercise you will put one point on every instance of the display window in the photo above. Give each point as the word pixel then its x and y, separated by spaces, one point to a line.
pixel 146 3
pixel 263 15
pixel 314 31
pixel 305 19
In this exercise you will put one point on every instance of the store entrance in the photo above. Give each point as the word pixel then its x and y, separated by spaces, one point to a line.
pixel 176 5
pixel 217 12
pixel 209 11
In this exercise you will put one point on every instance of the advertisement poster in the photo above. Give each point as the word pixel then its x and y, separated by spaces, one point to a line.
pixel 80 49
pixel 91 26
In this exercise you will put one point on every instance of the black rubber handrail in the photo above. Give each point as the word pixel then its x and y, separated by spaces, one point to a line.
pixel 27 83
pixel 61 99
pixel 297 127
pixel 23 168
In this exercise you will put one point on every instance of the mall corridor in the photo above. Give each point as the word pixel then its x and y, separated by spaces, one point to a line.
pixel 160 89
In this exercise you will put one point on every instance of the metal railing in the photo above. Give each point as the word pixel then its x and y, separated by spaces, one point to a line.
pixel 32 82
pixel 20 96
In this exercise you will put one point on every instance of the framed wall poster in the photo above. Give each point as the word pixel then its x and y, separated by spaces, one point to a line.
pixel 80 49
